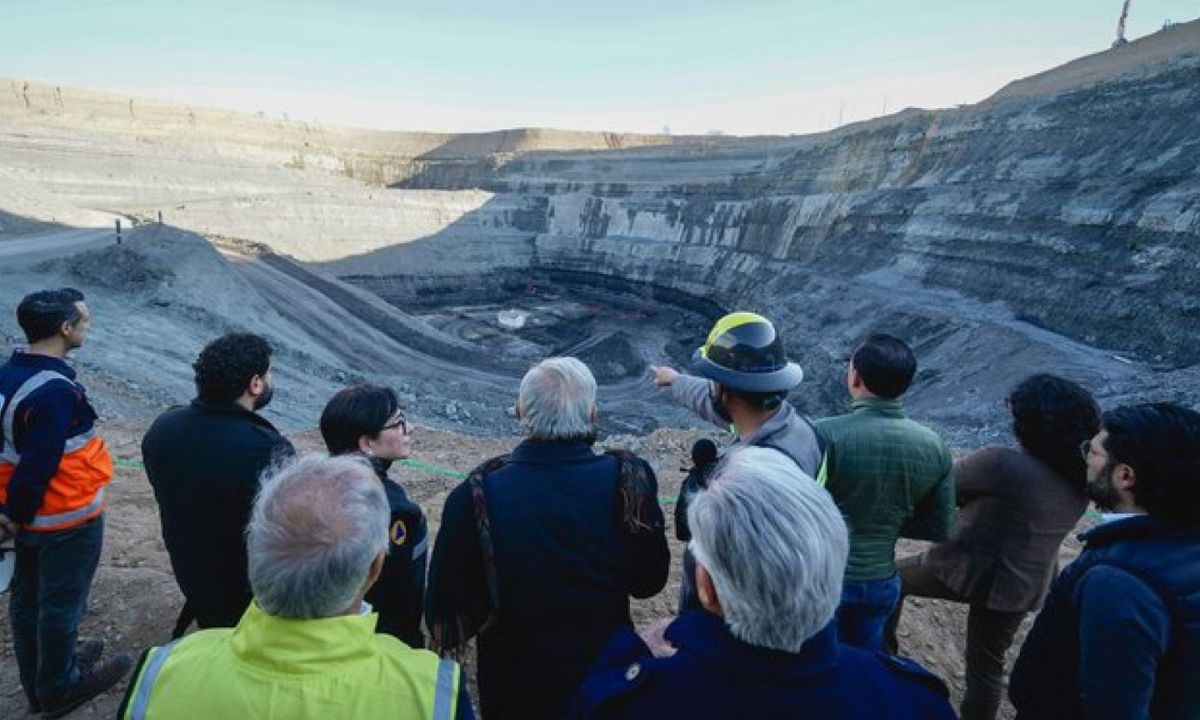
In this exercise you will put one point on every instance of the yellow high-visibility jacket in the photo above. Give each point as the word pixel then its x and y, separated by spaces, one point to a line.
pixel 274 668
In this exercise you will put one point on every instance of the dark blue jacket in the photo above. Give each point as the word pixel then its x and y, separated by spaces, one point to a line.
pixel 399 593
pixel 42 423
pixel 1119 636
pixel 565 569
pixel 715 675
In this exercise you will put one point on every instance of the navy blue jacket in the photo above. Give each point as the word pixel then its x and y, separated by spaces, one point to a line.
pixel 715 675
pixel 41 424
pixel 1119 636
pixel 399 593
pixel 565 569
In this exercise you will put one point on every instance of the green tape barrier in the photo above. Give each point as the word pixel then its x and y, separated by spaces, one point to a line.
pixel 446 472
pixel 414 464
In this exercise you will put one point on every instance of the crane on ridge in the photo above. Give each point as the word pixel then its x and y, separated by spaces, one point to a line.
pixel 1121 25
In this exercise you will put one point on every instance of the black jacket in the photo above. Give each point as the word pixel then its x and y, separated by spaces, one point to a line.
pixel 399 593
pixel 565 570
pixel 204 462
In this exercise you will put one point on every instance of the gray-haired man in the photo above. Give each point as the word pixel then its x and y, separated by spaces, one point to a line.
pixel 306 647
pixel 770 549
pixel 539 550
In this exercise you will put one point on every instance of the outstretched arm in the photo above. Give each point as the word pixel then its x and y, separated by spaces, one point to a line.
pixel 689 391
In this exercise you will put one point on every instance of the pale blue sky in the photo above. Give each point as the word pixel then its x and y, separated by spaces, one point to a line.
pixel 754 66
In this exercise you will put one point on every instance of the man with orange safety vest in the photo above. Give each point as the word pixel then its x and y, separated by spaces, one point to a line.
pixel 53 472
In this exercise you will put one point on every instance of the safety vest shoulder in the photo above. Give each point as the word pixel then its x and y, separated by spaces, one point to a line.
pixel 201 676
pixel 75 494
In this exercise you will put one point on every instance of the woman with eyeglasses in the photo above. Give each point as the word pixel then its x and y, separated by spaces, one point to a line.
pixel 1016 504
pixel 367 420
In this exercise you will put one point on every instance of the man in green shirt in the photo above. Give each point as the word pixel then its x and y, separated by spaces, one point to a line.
pixel 891 477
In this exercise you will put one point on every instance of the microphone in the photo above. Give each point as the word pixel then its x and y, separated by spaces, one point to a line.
pixel 704 453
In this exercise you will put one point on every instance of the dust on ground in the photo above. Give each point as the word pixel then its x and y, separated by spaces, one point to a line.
pixel 134 599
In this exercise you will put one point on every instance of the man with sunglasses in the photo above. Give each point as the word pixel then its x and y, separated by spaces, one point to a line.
pixel 204 460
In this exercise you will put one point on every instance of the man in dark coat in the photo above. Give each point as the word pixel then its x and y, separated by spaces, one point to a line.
pixel 1119 636
pixel 204 462
pixel 770 549
pixel 539 551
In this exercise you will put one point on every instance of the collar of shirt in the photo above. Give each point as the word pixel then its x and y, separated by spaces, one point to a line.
pixel 42 362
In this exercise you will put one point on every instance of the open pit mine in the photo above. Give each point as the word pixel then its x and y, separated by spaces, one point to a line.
pixel 1053 227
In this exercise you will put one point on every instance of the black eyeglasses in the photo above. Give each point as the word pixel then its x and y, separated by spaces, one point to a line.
pixel 399 422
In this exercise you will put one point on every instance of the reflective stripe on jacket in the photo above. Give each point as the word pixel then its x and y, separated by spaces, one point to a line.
pixel 75 493
pixel 274 668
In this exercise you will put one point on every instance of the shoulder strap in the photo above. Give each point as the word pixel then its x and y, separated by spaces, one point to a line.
pixel 483 529
pixel 637 488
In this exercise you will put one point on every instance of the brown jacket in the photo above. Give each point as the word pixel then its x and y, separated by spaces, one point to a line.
pixel 1014 512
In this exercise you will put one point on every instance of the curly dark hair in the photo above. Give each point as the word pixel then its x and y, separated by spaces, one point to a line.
pixel 354 412
pixel 1052 416
pixel 227 364
pixel 1161 442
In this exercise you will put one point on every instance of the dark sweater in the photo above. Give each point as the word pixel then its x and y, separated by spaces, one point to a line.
pixel 204 461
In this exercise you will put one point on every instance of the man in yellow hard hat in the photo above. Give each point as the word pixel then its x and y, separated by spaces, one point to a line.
pixel 741 383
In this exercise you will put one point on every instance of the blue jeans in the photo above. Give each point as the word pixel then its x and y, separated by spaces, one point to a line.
pixel 865 609
pixel 50 587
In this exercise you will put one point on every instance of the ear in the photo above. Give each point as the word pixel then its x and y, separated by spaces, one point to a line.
pixel 520 410
pixel 593 414
pixel 1123 478
pixel 366 445
pixel 257 385
pixel 853 378
pixel 375 569
pixel 707 591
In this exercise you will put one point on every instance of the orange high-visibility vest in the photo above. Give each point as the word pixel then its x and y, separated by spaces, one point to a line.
pixel 75 493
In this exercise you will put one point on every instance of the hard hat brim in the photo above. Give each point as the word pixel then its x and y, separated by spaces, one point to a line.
pixel 779 380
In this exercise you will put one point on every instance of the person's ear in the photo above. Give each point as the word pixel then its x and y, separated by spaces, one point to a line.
pixel 707 591
pixel 366 445
pixel 376 568
pixel 258 384
pixel 1123 478
pixel 520 411
pixel 593 414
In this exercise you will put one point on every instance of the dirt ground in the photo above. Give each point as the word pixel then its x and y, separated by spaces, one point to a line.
pixel 134 599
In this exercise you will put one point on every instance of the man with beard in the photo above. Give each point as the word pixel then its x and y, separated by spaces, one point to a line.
pixel 1119 636
pixel 204 461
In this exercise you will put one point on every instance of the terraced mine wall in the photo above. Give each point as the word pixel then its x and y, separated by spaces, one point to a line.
pixel 1079 211
pixel 1053 227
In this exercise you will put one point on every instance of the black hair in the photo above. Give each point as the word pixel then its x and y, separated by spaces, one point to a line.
pixel 759 400
pixel 885 364
pixel 1161 442
pixel 226 366
pixel 41 314
pixel 1051 417
pixel 354 412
